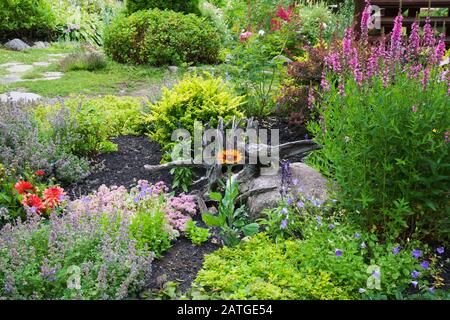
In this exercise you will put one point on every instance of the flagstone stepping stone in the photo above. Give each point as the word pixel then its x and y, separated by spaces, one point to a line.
pixel 51 76
pixel 41 64
pixel 16 96
pixel 10 78
pixel 57 55
pixel 19 68
pixel 10 64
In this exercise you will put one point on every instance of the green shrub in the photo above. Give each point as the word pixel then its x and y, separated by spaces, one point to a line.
pixel 192 99
pixel 162 37
pixel 26 18
pixel 187 6
pixel 387 148
pixel 83 61
pixel 90 123
pixel 262 270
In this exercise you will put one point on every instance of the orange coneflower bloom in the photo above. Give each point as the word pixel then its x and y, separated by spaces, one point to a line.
pixel 229 157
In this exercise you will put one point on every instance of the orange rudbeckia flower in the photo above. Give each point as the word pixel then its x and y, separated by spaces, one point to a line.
pixel 229 157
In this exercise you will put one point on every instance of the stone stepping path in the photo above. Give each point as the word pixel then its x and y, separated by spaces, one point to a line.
pixel 16 70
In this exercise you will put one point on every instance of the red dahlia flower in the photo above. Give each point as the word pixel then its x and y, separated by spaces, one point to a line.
pixel 33 201
pixel 53 196
pixel 23 187
pixel 40 173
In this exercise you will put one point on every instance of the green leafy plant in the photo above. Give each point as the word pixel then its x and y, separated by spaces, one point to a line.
pixel 182 178
pixel 196 234
pixel 158 37
pixel 89 123
pixel 192 99
pixel 389 154
pixel 27 18
pixel 230 220
pixel 186 6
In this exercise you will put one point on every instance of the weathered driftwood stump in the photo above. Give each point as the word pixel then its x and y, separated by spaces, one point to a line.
pixel 246 172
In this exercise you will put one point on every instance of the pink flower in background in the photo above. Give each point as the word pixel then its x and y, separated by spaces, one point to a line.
pixel 414 109
pixel 324 83
pixel 275 25
pixel 285 14
pixel 245 36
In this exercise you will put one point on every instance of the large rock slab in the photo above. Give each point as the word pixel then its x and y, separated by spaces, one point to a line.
pixel 16 45
pixel 16 96
pixel 305 181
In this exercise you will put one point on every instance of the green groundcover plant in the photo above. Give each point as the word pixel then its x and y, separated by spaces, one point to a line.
pixel 186 6
pixel 158 37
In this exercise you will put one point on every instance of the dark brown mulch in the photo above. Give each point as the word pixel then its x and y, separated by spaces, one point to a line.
pixel 124 167
pixel 180 264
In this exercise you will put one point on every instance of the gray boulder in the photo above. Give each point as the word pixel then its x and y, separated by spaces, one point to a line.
pixel 308 182
pixel 16 45
pixel 41 45
pixel 173 69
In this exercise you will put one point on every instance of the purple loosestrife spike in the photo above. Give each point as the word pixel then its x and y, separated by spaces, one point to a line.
pixel 324 83
pixel 338 252
pixel 428 34
pixel 414 38
pixel 416 253
pixel 440 50
pixel 415 274
pixel 425 265
pixel 347 42
pixel 364 22
pixel 440 250
pixel 396 36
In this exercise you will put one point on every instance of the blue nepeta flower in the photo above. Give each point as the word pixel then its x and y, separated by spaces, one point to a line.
pixel 319 220
pixel 284 211
pixel 301 204
pixel 395 250
pixel 289 201
pixel 416 253
pixel 415 274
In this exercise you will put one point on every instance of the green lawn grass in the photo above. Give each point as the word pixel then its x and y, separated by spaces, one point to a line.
pixel 114 79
